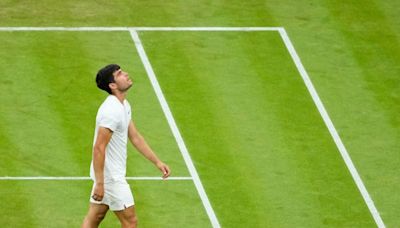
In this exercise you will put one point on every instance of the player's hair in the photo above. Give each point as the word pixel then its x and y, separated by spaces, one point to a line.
pixel 105 76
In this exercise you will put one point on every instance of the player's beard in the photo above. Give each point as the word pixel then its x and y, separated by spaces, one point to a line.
pixel 126 88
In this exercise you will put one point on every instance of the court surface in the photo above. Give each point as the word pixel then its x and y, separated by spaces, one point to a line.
pixel 233 113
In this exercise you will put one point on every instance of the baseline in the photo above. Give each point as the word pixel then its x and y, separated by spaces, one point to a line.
pixel 110 29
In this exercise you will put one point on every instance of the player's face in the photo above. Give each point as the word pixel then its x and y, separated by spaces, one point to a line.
pixel 122 80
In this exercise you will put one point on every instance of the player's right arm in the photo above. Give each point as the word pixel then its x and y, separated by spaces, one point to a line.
pixel 99 155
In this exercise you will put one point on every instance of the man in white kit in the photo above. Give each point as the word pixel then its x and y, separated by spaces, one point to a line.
pixel 108 167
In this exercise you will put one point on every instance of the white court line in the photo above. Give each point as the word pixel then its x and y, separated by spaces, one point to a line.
pixel 110 29
pixel 175 130
pixel 88 178
pixel 207 29
pixel 332 129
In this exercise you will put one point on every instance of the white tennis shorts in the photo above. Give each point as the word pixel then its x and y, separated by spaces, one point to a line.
pixel 117 195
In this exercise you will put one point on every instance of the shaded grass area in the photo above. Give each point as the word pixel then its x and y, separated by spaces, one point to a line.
pixel 51 204
pixel 256 126
pixel 131 13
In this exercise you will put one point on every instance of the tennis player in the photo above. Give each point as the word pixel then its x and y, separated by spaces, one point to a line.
pixel 108 167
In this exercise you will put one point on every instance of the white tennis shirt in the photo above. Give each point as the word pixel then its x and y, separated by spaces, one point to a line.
pixel 115 116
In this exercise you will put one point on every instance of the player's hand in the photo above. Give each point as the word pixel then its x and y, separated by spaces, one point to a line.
pixel 98 192
pixel 164 169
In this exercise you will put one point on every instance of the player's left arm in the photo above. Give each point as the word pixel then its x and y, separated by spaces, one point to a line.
pixel 141 145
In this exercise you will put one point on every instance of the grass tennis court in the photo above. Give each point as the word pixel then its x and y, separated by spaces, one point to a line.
pixel 259 144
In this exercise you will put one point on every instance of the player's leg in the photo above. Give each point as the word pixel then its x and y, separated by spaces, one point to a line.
pixel 95 215
pixel 127 217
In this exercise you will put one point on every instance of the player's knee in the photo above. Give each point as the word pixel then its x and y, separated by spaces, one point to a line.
pixel 92 220
pixel 131 221
pixel 99 217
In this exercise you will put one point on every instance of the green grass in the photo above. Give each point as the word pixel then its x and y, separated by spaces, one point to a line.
pixel 52 204
pixel 260 146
